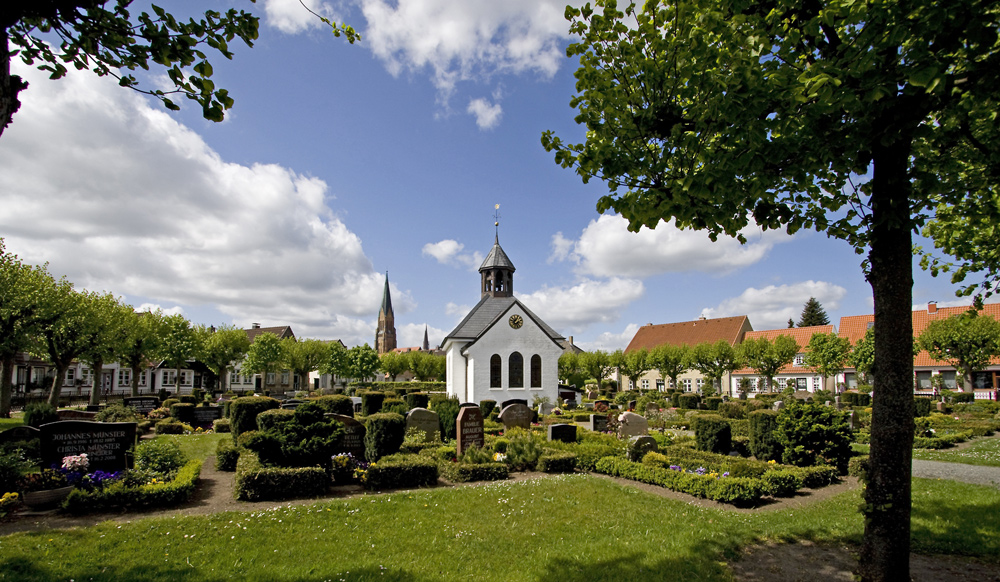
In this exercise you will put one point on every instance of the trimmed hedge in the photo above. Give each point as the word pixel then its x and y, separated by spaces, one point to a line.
pixel 183 411
pixel 712 433
pixel 243 413
pixel 271 418
pixel 468 472
pixel 732 410
pixel 221 425
pixel 781 483
pixel 401 471
pixel 254 482
pixel 688 401
pixel 858 467
pixel 416 400
pixel 397 405
pixel 735 490
pixel 371 402
pixel 921 406
pixel 171 426
pixel 337 404
pixel 487 406
pixel 384 433
pixel 556 462
pixel 713 402
pixel 117 495
pixel 226 456
pixel 763 443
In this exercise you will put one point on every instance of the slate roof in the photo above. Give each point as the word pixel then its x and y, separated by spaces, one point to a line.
pixel 690 332
pixel 487 312
pixel 853 327
pixel 282 331
pixel 801 335
pixel 386 300
pixel 497 259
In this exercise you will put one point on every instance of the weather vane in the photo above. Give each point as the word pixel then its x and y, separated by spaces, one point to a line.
pixel 496 219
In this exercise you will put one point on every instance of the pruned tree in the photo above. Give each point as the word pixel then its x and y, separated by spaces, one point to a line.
pixel 222 348
pixel 303 356
pixel 425 366
pixel 393 364
pixel 68 326
pixel 670 360
pixel 265 356
pixel 634 364
pixel 180 344
pixel 144 332
pixel 827 353
pixel 362 362
pixel 595 364
pixel 767 357
pixel 813 314
pixel 969 341
pixel 713 361
pixel 335 364
pixel 107 339
pixel 569 366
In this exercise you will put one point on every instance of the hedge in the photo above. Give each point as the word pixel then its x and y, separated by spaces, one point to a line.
pixel 688 401
pixel 171 426
pixel 384 433
pixel 763 443
pixel 732 410
pixel 921 406
pixel 117 495
pixel 183 411
pixel 254 482
pixel 735 490
pixel 487 406
pixel 243 413
pixel 337 404
pixel 371 402
pixel 271 418
pixel 221 425
pixel 556 462
pixel 468 472
pixel 416 400
pixel 712 433
pixel 713 402
pixel 781 483
pixel 226 456
pixel 401 471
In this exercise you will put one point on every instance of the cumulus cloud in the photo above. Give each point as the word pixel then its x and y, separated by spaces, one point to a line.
pixel 487 114
pixel 290 17
pixel 606 248
pixel 610 341
pixel 456 310
pixel 118 195
pixel 175 310
pixel 449 252
pixel 573 309
pixel 411 335
pixel 772 306
pixel 467 40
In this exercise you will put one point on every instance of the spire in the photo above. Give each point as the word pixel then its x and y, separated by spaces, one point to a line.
pixel 497 271
pixel 427 345
pixel 385 335
pixel 386 299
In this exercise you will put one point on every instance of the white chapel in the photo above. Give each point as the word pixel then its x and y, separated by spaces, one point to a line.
pixel 501 350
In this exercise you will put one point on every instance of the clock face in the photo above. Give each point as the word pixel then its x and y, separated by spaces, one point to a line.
pixel 516 322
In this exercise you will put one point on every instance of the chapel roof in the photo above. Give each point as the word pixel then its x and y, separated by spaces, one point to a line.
pixel 496 259
pixel 487 312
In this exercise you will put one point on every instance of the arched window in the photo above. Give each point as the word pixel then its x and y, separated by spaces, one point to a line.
pixel 515 370
pixel 495 369
pixel 536 371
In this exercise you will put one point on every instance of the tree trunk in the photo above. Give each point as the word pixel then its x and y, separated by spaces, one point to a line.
pixel 966 380
pixel 56 391
pixel 95 394
pixel 136 370
pixel 885 549
pixel 10 85
pixel 177 382
pixel 6 382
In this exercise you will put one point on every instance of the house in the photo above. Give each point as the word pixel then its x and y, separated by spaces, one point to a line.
pixel 276 382
pixel 501 350
pixel 690 333
pixel 795 375
pixel 926 370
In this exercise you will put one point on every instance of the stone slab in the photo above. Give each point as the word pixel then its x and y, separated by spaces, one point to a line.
pixel 562 432
pixel 631 424
pixel 426 421
pixel 516 415
pixel 107 444
pixel 353 439
pixel 469 429
pixel 143 404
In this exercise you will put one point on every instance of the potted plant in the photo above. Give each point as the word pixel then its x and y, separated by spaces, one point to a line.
pixel 45 488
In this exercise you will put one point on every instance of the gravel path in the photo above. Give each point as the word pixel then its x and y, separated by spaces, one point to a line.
pixel 957 472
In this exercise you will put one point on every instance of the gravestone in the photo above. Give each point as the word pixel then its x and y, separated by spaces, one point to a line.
pixel 353 439
pixel 852 420
pixel 76 415
pixel 143 404
pixel 469 428
pixel 828 403
pixel 20 434
pixel 652 408
pixel 357 404
pixel 516 415
pixel 588 405
pixel 424 421
pixel 593 395
pixel 631 424
pixel 291 404
pixel 205 415
pixel 562 432
pixel 942 407
pixel 468 405
pixel 545 408
pixel 631 404
pixel 107 444
pixel 778 404
pixel 507 403
pixel 639 446
pixel 599 422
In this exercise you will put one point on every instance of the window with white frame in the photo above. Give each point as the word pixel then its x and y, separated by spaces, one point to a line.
pixel 270 377
pixel 659 385
pixel 168 377
pixel 687 384
pixel 284 377
pixel 799 359
pixel 701 383
pixel 645 384
pixel 85 375
pixel 124 377
pixel 70 375
pixel 234 378
pixel 186 378
pixel 142 378
pixel 817 383
pixel 782 382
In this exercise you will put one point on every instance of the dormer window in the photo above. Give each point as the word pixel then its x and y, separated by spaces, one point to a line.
pixel 798 359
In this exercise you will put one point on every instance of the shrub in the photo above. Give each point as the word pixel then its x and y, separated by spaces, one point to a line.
pixel 588 454
pixel 160 456
pixel 183 411
pixel 170 402
pixel 371 402
pixel 817 476
pixel 688 401
pixel 740 428
pixel 12 466
pixel 468 472
pixel 226 456
pixel 243 413
pixel 813 434
pixel 858 467
pixel 416 400
pixel 397 405
pixel 733 410
pixel 158 413
pixel 487 406
pixel 119 495
pixel 447 410
pixel 189 399
pixel 736 490
pixel 254 482
pixel 523 450
pixel 337 404
pixel 921 406
pixel 384 435
pixel 221 425
pixel 116 412
pixel 398 471
pixel 172 426
pixel 38 413
pixel 781 483
pixel 557 462
pixel 712 433
pixel 763 443
pixel 272 418
pixel 713 402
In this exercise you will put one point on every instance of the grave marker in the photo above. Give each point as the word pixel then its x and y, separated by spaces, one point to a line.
pixel 205 415
pixel 143 404
pixel 639 446
pixel 507 403
pixel 599 422
pixel 425 421
pixel 353 439
pixel 516 415
pixel 469 428
pixel 107 444
pixel 562 432
pixel 632 424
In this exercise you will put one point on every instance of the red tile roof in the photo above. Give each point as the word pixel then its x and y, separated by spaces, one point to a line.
pixel 853 327
pixel 691 333
pixel 801 335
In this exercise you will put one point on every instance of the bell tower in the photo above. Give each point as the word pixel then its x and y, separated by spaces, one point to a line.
pixel 496 272
pixel 385 335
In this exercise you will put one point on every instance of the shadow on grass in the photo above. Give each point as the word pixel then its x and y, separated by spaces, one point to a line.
pixel 962 522
pixel 637 566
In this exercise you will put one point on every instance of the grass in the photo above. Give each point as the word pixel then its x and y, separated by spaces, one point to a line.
pixel 6 423
pixel 197 446
pixel 985 452
pixel 575 527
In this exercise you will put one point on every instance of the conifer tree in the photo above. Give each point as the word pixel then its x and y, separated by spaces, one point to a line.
pixel 813 314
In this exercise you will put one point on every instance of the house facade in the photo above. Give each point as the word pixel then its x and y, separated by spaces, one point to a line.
pixel 795 375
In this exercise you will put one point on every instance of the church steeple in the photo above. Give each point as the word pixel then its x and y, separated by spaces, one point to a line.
pixel 385 335
pixel 497 273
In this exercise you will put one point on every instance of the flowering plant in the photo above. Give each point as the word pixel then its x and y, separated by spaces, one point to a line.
pixel 499 457
pixel 43 480
pixel 8 500
pixel 76 462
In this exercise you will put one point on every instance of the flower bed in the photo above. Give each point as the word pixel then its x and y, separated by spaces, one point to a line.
pixel 118 494
pixel 735 490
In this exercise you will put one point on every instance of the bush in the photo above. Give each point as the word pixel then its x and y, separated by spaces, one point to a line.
pixel 858 467
pixel 226 456
pixel 170 402
pixel 447 410
pixel 183 411
pixel 736 490
pixel 468 472
pixel 781 483
pixel 487 406
pixel 337 404
pixel 813 434
pixel 817 476
pixel 172 426
pixel 416 400
pixel 272 418
pixel 588 454
pixel 399 471
pixel 764 445
pixel 688 401
pixel 160 456
pixel 921 406
pixel 307 438
pixel 713 402
pixel 254 482
pixel 384 435
pixel 397 405
pixel 12 466
pixel 733 410
pixel 189 399
pixel 557 462
pixel 371 402
pixel 119 495
pixel 523 451
pixel 243 413
pixel 712 433
pixel 117 412
pixel 221 425
pixel 38 413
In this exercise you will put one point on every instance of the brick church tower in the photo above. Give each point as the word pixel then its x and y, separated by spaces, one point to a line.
pixel 385 335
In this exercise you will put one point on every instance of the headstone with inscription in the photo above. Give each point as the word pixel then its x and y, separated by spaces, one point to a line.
pixel 20 434
pixel 107 444
pixel 562 432
pixel 424 421
pixel 469 429
pixel 205 415
pixel 599 422
pixel 593 395
pixel 353 439
pixel 143 404
pixel 652 408
pixel 631 424
pixel 507 403
pixel 516 415
pixel 639 446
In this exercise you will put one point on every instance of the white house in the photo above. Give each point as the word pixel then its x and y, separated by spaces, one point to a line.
pixel 501 350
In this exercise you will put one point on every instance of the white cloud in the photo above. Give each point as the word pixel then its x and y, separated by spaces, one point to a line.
pixel 961 302
pixel 291 17
pixel 772 306
pixel 572 309
pixel 606 248
pixel 609 341
pixel 411 335
pixel 456 310
pixel 175 310
pixel 449 252
pixel 119 196
pixel 467 40
pixel 487 114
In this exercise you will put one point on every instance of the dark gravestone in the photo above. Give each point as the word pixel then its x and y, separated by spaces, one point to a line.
pixel 638 446
pixel 20 434
pixel 143 404
pixel 469 428
pixel 562 432
pixel 353 439
pixel 599 422
pixel 357 404
pixel 468 405
pixel 516 415
pixel 631 404
pixel 205 415
pixel 106 443
pixel 290 405
pixel 76 415
pixel 507 403
pixel 424 421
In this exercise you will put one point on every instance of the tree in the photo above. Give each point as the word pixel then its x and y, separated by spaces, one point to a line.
pixel 144 333
pixel 393 364
pixel 827 353
pixel 67 330
pixel 362 362
pixel 222 348
pixel 265 356
pixel 303 356
pixel 181 343
pixel 862 357
pixel 670 360
pixel 107 339
pixel 336 360
pixel 791 323
pixel 766 357
pixel 813 314
pixel 569 366
pixel 634 364
pixel 853 119
pixel 22 289
pixel 713 361
pixel 425 366
pixel 595 364
pixel 968 341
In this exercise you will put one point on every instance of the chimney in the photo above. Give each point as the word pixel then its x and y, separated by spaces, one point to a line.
pixel 931 307
pixel 570 340
pixel 255 326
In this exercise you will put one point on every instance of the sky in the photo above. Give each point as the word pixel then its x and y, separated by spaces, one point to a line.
pixel 340 163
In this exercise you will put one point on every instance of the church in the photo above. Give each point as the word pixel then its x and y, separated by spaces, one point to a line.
pixel 501 350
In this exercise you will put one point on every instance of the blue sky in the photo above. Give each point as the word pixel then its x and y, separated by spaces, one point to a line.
pixel 339 163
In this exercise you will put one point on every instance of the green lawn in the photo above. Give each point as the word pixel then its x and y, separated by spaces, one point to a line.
pixel 979 452
pixel 6 423
pixel 197 446
pixel 575 527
